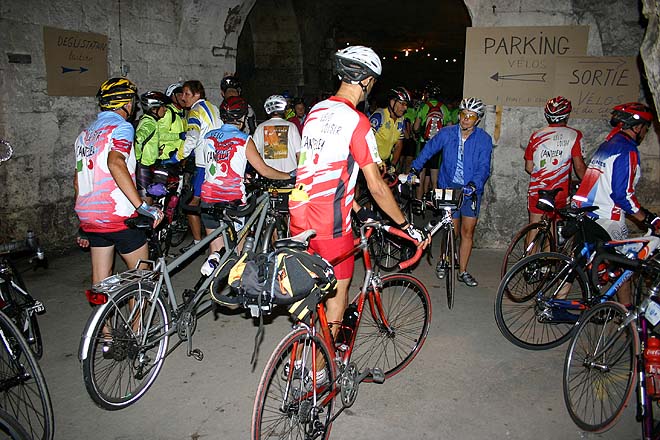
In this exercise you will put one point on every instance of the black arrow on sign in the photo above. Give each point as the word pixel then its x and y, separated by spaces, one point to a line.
pixel 532 77
pixel 69 69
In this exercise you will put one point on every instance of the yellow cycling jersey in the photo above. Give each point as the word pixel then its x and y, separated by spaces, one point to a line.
pixel 387 131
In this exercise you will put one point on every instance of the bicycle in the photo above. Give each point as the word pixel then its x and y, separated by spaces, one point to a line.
pixel 606 355
pixel 10 428
pixel 23 390
pixel 15 300
pixel 541 298
pixel 547 233
pixel 125 340
pixel 293 400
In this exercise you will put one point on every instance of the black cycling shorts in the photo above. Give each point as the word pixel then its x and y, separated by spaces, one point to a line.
pixel 125 241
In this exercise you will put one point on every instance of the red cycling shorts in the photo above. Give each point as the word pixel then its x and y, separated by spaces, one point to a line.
pixel 333 248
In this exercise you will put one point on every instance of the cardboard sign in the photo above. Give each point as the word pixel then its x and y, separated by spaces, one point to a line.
pixel 76 62
pixel 596 84
pixel 515 66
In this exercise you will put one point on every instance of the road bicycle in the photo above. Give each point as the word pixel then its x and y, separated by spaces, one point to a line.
pixel 15 300
pixel 542 236
pixel 23 390
pixel 605 361
pixel 541 298
pixel 309 370
pixel 125 340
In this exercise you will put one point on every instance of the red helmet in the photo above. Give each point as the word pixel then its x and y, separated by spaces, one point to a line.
pixel 557 109
pixel 233 109
pixel 628 115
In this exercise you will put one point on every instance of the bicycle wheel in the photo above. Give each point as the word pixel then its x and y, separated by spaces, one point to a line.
pixel 523 312
pixel 600 367
pixel 23 390
pixel 450 266
pixel 394 324
pixel 120 364
pixel 178 227
pixel 10 429
pixel 517 250
pixel 287 406
pixel 16 308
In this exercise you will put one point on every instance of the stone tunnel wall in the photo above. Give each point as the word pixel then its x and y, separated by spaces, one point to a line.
pixel 198 39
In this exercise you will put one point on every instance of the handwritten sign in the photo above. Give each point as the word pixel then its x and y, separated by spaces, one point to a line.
pixel 515 66
pixel 76 62
pixel 596 84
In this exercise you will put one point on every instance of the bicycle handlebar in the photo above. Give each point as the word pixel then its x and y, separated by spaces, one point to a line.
pixel 399 233
pixel 30 243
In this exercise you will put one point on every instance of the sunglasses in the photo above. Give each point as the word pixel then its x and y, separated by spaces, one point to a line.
pixel 470 116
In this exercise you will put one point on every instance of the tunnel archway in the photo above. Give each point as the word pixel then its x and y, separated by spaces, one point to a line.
pixel 286 45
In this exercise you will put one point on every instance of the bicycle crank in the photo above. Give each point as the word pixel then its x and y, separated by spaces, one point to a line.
pixel 349 385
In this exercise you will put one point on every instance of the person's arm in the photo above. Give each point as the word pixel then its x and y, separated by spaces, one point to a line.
pixel 579 166
pixel 529 166
pixel 192 134
pixel 119 172
pixel 430 148
pixel 624 175
pixel 481 169
pixel 258 163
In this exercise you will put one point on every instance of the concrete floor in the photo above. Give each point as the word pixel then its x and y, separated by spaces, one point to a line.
pixel 468 382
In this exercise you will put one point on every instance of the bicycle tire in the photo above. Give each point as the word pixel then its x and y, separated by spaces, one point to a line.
pixel 10 428
pixel 517 250
pixel 394 324
pixel 283 406
pixel 23 389
pixel 124 372
pixel 597 388
pixel 17 303
pixel 451 269
pixel 178 227
pixel 521 311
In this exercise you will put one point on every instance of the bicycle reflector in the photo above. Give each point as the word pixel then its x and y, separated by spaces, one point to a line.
pixel 96 298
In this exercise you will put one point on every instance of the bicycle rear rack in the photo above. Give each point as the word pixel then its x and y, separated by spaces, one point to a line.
pixel 115 283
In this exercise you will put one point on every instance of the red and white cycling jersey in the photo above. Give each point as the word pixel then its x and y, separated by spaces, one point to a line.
pixel 225 160
pixel 101 206
pixel 337 141
pixel 610 179
pixel 552 149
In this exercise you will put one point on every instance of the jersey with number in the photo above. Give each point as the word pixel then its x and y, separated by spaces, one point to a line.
pixel 225 161
pixel 101 206
pixel 552 150
pixel 278 142
pixel 203 117
pixel 387 131
pixel 610 179
pixel 337 141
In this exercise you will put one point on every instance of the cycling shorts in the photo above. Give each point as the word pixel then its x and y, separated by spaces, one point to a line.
pixel 466 208
pixel 335 247
pixel 125 241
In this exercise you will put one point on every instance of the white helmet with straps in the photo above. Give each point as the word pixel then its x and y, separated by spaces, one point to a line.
pixel 275 103
pixel 355 63
pixel 473 105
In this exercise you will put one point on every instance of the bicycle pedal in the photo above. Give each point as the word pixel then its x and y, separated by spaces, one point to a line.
pixel 377 375
pixel 197 354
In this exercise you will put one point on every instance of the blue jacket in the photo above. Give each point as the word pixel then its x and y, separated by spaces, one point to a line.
pixel 476 156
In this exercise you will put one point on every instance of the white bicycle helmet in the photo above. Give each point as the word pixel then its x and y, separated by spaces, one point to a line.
pixel 275 103
pixel 355 63
pixel 473 105
pixel 173 88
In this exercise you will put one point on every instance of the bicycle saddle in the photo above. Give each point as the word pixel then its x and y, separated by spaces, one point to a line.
pixel 300 241
pixel 547 198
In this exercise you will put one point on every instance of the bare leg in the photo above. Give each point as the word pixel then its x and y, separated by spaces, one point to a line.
pixel 467 226
pixel 103 259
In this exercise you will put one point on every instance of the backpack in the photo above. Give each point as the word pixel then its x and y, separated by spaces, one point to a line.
pixel 434 120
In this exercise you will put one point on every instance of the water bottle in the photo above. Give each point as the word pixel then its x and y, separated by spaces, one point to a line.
pixel 210 264
pixel 171 206
pixel 560 228
pixel 652 361
pixel 249 244
pixel 347 326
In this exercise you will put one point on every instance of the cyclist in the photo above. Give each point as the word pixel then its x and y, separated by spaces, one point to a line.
pixel 388 125
pixel 337 142
pixel 203 117
pixel 612 175
pixel 148 142
pixel 231 86
pixel 104 182
pixel 228 150
pixel 300 113
pixel 549 155
pixel 172 126
pixel 466 153
pixel 278 140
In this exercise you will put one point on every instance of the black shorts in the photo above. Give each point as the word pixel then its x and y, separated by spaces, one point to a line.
pixel 125 241
pixel 409 148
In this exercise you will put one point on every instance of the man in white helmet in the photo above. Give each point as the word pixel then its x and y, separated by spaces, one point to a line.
pixel 337 142
pixel 466 153
pixel 278 140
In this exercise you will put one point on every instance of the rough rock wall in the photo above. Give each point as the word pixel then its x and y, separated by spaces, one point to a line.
pixel 162 42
